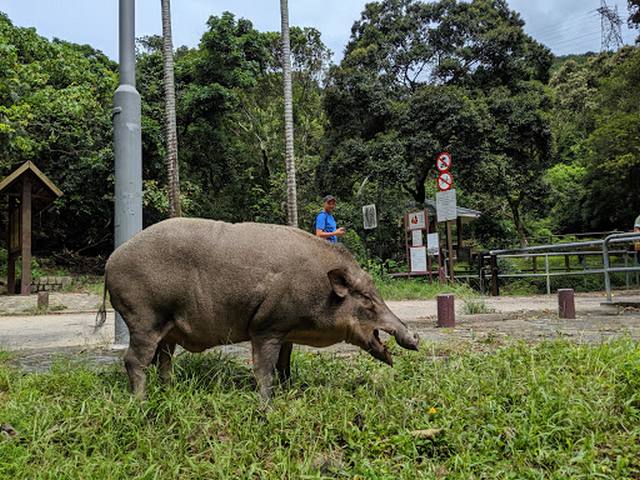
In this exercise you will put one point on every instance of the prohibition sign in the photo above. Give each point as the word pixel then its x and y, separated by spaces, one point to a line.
pixel 443 162
pixel 445 181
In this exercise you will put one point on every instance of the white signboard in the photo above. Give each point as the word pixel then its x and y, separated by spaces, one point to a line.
pixel 416 238
pixel 416 220
pixel 433 245
pixel 370 217
pixel 418 259
pixel 446 207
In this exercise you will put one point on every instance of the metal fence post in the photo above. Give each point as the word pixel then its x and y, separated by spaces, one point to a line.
pixel 627 278
pixel 605 267
pixel 546 269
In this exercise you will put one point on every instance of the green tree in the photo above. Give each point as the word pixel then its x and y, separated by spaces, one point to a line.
pixel 418 78
pixel 55 110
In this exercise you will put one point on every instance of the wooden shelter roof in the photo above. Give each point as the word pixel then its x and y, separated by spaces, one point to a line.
pixel 43 188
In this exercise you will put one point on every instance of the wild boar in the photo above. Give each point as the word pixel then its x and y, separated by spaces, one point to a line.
pixel 201 283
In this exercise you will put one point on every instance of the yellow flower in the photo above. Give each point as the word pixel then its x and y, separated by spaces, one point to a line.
pixel 433 410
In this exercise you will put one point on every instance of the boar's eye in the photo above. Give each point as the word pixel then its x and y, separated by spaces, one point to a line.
pixel 367 302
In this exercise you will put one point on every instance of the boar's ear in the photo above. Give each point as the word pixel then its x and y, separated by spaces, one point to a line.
pixel 339 282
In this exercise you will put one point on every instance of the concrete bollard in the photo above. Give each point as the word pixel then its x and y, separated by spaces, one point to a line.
pixel 566 303
pixel 43 300
pixel 446 311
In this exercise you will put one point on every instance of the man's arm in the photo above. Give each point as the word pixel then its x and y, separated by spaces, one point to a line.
pixel 322 234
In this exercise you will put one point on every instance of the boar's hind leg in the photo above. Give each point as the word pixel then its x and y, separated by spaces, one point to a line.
pixel 137 359
pixel 284 362
pixel 162 359
pixel 143 344
pixel 266 351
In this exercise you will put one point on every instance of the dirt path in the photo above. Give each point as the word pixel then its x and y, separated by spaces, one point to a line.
pixel 37 340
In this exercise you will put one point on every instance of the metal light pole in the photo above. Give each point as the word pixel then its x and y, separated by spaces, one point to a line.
pixel 128 145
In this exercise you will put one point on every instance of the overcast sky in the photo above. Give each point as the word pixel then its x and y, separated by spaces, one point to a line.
pixel 567 26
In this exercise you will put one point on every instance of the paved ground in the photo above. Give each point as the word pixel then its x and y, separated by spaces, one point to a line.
pixel 62 302
pixel 37 340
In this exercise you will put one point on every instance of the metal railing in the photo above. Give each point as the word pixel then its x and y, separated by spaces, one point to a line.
pixel 608 269
pixel 561 249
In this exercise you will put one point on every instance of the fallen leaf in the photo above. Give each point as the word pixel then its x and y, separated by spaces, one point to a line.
pixel 426 434
pixel 8 430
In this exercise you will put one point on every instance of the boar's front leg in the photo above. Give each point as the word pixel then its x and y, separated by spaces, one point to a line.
pixel 284 362
pixel 266 351
pixel 163 358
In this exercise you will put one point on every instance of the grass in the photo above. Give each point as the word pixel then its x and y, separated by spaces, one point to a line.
pixel 554 410
pixel 86 284
pixel 418 289
pixel 475 306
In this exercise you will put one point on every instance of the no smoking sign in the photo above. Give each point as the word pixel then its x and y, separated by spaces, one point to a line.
pixel 443 162
pixel 445 181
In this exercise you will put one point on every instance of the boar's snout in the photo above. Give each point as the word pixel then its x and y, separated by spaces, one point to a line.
pixel 396 328
pixel 407 339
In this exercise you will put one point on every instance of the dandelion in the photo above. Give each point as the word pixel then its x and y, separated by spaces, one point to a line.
pixel 433 411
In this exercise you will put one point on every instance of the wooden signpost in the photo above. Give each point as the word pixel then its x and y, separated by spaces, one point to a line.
pixel 25 187
pixel 446 206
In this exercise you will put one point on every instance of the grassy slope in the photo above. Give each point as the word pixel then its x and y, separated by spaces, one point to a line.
pixel 554 410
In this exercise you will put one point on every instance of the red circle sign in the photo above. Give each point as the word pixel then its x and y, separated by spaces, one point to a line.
pixel 445 181
pixel 443 162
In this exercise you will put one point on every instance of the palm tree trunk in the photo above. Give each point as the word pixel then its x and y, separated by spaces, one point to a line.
pixel 171 156
pixel 292 201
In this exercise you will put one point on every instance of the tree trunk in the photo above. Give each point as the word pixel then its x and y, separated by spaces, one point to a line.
pixel 292 202
pixel 515 211
pixel 171 136
pixel 420 193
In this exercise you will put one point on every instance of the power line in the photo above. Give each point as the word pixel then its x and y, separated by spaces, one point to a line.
pixel 592 34
pixel 551 28
pixel 570 26
pixel 569 34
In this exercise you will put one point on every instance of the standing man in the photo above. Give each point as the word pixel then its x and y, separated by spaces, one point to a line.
pixel 325 224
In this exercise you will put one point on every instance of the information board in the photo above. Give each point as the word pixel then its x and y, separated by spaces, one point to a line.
pixel 446 207
pixel 418 259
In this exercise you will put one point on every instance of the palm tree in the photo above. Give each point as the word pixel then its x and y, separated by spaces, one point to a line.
pixel 171 157
pixel 292 202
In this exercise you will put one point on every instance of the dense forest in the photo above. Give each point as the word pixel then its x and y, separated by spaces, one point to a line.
pixel 541 144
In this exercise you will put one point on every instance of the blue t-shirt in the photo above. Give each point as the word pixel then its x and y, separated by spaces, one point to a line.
pixel 326 223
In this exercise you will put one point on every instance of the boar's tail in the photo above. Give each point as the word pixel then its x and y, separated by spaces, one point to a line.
pixel 101 316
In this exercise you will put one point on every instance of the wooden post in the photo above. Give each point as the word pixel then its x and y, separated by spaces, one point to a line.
pixel 495 285
pixel 567 265
pixel 43 300
pixel 446 311
pixel 459 234
pixel 534 261
pixel 566 303
pixel 441 274
pixel 11 260
pixel 25 232
pixel 450 251
pixel 406 240
pixel 427 221
pixel 481 272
